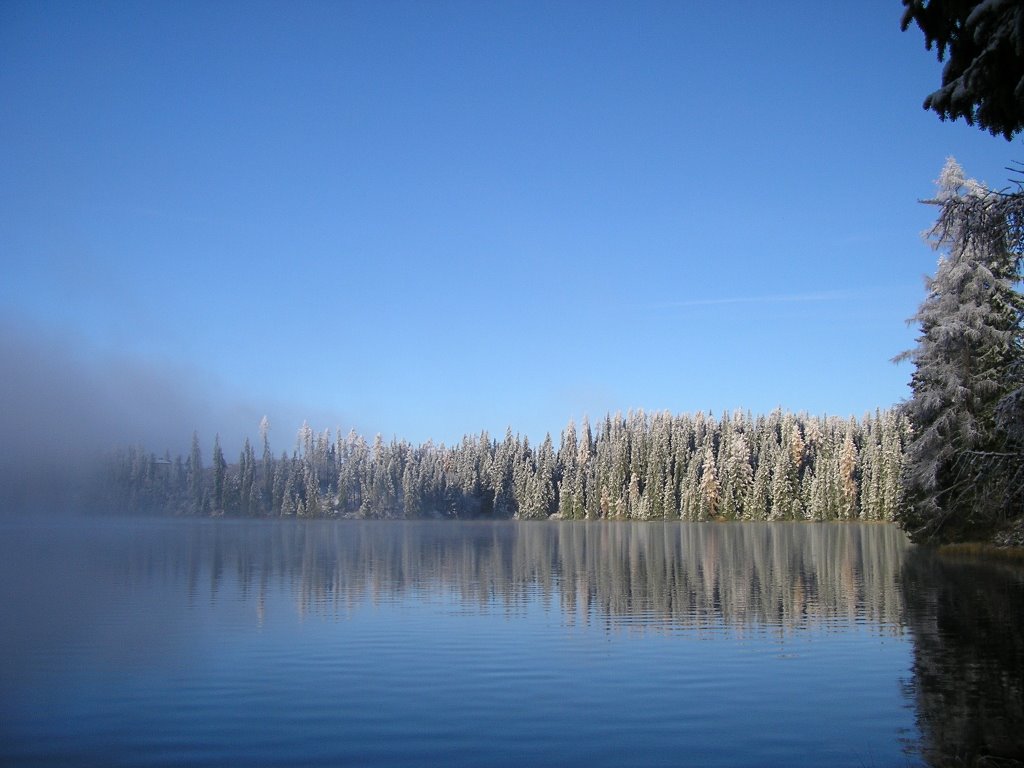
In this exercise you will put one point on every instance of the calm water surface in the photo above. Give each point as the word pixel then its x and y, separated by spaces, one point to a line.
pixel 196 643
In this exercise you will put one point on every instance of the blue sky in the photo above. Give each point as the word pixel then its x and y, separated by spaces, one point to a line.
pixel 431 218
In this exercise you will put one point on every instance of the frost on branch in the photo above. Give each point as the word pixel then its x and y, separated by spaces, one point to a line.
pixel 962 466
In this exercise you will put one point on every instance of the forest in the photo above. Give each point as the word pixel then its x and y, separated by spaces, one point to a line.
pixel 947 464
pixel 640 466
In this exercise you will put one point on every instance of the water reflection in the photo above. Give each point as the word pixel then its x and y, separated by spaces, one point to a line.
pixel 641 575
pixel 968 666
pixel 137 591
pixel 968 680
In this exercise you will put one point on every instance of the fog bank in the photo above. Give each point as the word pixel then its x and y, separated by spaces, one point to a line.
pixel 66 403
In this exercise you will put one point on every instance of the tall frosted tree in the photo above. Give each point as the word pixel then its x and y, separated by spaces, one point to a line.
pixel 502 473
pixel 220 474
pixel 194 475
pixel 247 480
pixel 847 478
pixel 570 501
pixel 758 499
pixel 966 361
pixel 737 476
pixel 267 462
pixel 710 488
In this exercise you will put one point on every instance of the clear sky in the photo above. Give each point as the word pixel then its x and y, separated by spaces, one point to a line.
pixel 431 218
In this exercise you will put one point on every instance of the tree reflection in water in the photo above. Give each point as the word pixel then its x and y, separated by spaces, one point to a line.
pixel 736 578
pixel 965 616
pixel 640 575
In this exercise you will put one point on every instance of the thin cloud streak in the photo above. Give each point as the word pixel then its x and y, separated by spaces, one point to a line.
pixel 793 298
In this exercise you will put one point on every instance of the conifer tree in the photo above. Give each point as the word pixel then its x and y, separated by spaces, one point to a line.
pixel 894 436
pixel 785 495
pixel 194 473
pixel 710 488
pixel 847 477
pixel 247 479
pixel 220 470
pixel 965 362
pixel 758 499
pixel 982 44
pixel 267 462
pixel 737 477
pixel 569 505
pixel 502 472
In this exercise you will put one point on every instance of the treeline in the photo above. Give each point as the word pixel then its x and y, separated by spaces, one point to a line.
pixel 782 466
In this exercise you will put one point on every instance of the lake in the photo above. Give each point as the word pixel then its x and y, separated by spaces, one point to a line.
pixel 351 643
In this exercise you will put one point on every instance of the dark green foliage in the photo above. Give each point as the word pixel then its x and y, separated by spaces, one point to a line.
pixel 982 45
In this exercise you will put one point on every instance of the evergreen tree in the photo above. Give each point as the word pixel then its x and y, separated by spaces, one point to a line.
pixel 194 472
pixel 502 472
pixel 847 476
pixel 758 499
pixel 983 78
pixel 267 463
pixel 277 496
pixel 247 479
pixel 965 363
pixel 546 498
pixel 412 490
pixel 785 492
pixel 894 432
pixel 710 488
pixel 220 473
pixel 570 499
pixel 737 477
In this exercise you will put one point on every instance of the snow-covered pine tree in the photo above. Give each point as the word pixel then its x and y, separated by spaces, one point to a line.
pixel 246 479
pixel 964 364
pixel 546 499
pixel 503 476
pixel 194 473
pixel 755 506
pixel 568 451
pixel 220 473
pixel 894 432
pixel 847 478
pixel 267 463
pixel 710 488
pixel 737 477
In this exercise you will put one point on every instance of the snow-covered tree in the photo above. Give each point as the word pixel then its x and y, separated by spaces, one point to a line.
pixel 246 480
pixel 194 474
pixel 641 467
pixel 710 488
pixel 847 478
pixel 965 363
pixel 220 470
pixel 737 476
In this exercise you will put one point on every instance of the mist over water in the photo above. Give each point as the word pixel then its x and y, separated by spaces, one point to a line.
pixel 67 403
